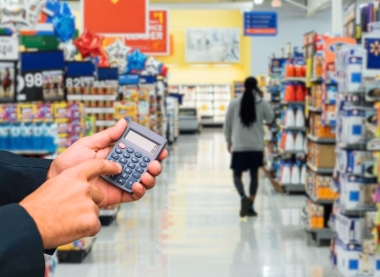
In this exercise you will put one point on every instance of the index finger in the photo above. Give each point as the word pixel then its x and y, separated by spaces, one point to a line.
pixel 163 155
pixel 105 138
pixel 95 168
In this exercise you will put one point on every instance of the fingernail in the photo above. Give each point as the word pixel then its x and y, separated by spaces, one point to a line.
pixel 151 179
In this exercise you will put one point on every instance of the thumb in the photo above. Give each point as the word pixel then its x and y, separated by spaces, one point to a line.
pixel 95 168
pixel 105 138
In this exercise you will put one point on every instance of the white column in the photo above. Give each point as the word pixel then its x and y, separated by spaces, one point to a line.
pixel 337 17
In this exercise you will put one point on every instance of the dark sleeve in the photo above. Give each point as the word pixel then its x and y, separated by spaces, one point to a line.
pixel 20 176
pixel 21 247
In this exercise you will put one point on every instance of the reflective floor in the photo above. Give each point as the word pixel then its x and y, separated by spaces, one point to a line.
pixel 189 226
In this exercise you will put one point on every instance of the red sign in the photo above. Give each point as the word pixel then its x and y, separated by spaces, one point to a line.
pixel 116 17
pixel 157 41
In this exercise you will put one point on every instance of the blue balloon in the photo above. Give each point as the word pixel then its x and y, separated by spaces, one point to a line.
pixel 136 61
pixel 64 23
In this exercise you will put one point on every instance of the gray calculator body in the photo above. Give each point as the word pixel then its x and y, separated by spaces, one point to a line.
pixel 136 148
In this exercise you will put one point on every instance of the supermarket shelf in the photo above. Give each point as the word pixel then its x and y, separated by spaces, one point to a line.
pixel 291 188
pixel 294 79
pixel 74 97
pixel 359 211
pixel 292 102
pixel 319 201
pixel 100 110
pixel 320 170
pixel 108 216
pixel 314 109
pixel 74 256
pixel 104 123
pixel 316 80
pixel 320 140
pixel 373 144
pixel 31 152
pixel 292 152
pixel 301 129
pixel 319 235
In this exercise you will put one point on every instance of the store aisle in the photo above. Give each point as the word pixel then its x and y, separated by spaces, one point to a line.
pixel 189 226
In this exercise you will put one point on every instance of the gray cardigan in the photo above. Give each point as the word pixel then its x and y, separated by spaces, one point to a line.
pixel 242 138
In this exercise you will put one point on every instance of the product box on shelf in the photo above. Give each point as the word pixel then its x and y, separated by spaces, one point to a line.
pixel 349 229
pixel 7 82
pixel 355 162
pixel 351 261
pixel 357 191
pixel 317 129
pixel 321 156
pixel 315 215
pixel 316 96
pixel 319 186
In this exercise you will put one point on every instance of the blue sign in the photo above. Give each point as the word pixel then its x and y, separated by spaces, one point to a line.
pixel 260 23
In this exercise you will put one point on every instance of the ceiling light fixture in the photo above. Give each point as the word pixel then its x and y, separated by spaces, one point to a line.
pixel 258 2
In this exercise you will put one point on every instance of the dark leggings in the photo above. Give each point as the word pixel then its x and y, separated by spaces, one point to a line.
pixel 254 182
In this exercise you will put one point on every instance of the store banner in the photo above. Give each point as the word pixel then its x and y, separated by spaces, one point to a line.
pixel 260 23
pixel 116 17
pixel 157 41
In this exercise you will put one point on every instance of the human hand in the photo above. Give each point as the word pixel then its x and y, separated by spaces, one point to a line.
pixel 229 148
pixel 97 147
pixel 65 208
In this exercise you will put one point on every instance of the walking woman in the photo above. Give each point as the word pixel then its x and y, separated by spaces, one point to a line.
pixel 244 132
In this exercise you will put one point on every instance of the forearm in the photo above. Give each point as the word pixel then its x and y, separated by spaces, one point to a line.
pixel 20 176
pixel 21 248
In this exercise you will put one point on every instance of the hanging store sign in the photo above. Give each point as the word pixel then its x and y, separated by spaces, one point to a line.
pixel 116 17
pixel 157 41
pixel 258 23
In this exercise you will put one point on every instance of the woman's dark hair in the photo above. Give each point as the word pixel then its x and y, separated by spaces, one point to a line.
pixel 248 102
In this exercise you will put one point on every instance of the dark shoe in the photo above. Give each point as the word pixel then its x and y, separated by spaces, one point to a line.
pixel 252 213
pixel 245 204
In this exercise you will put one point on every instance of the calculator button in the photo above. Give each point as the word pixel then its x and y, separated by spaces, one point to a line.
pixel 131 165
pixel 115 156
pixel 124 175
pixel 130 182
pixel 138 155
pixel 118 151
pixel 144 165
pixel 121 181
pixel 130 150
pixel 136 175
pixel 113 177
pixel 139 170
pixel 128 170
pixel 123 161
pixel 134 160
pixel 146 159
pixel 127 155
pixel 122 145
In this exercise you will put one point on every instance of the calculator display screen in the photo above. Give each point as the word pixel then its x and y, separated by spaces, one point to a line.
pixel 141 142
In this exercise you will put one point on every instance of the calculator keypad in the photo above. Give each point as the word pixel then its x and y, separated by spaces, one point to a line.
pixel 134 165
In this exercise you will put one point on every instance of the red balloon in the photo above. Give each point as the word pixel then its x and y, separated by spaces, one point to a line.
pixel 89 45
pixel 103 62
pixel 164 71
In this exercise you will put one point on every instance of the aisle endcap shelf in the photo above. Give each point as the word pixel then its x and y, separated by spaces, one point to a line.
pixel 294 79
pixel 320 170
pixel 314 109
pixel 300 188
pixel 292 103
pixel 321 140
pixel 293 128
pixel 291 152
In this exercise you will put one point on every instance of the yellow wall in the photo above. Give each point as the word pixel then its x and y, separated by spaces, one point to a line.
pixel 183 73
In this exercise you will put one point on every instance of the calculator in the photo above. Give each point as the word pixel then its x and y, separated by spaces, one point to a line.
pixel 136 148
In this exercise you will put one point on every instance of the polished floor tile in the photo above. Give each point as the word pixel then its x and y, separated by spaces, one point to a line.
pixel 189 226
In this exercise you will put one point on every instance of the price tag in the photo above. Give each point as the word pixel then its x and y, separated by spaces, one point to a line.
pixel 8 48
